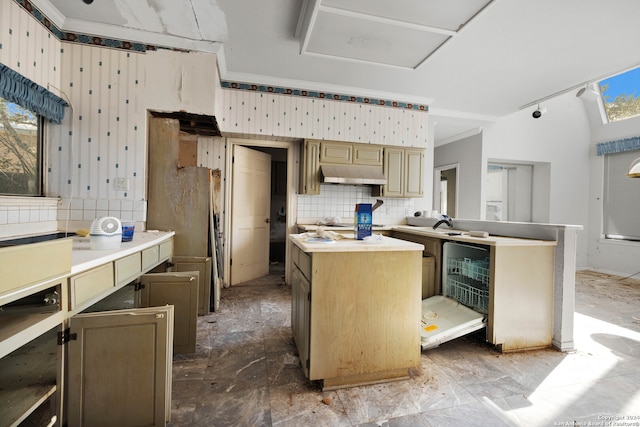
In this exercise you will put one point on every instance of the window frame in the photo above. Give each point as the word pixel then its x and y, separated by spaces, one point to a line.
pixel 617 203
pixel 40 155
pixel 630 92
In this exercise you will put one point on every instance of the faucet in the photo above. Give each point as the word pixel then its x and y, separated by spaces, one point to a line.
pixel 444 219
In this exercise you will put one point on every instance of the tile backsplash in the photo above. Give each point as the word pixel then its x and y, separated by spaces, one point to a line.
pixel 79 213
pixel 340 200
pixel 25 215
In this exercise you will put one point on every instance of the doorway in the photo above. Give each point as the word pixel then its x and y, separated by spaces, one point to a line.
pixel 445 191
pixel 509 192
pixel 250 205
pixel 282 203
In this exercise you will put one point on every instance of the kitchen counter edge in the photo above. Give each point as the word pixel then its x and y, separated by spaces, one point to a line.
pixel 386 244
pixel 84 258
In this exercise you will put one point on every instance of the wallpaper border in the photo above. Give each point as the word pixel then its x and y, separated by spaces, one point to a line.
pixel 321 95
pixel 141 47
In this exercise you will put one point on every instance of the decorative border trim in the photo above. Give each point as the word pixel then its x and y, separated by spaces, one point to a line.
pixel 321 95
pixel 141 47
pixel 82 38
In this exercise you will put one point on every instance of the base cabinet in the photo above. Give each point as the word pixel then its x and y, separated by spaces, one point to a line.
pixel 356 315
pixel 120 368
pixel 181 291
pixel 300 309
pixel 28 378
pixel 203 266
pixel 433 249
pixel 66 345
pixel 519 310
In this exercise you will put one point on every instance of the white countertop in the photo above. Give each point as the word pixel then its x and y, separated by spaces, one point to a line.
pixel 84 258
pixel 491 240
pixel 443 233
pixel 341 228
pixel 349 244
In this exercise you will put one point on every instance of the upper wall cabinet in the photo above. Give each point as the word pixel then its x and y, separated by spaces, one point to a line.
pixel 310 167
pixel 403 168
pixel 337 153
pixel 315 153
pixel 370 155
pixel 344 153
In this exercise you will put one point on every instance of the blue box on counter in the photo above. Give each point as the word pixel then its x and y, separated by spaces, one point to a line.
pixel 363 220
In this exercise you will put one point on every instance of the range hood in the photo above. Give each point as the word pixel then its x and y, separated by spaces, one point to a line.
pixel 355 175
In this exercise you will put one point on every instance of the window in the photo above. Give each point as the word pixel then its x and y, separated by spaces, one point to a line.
pixel 20 150
pixel 621 95
pixel 621 197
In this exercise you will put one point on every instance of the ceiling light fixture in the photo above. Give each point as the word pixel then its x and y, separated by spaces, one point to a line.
pixel 538 112
pixel 87 1
pixel 587 91
pixel 634 169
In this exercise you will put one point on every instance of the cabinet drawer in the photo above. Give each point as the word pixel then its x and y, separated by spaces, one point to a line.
pixel 54 259
pixel 295 255
pixel 90 283
pixel 150 257
pixel 165 250
pixel 128 268
pixel 305 265
pixel 302 260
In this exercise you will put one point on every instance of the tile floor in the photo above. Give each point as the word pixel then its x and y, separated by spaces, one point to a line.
pixel 246 371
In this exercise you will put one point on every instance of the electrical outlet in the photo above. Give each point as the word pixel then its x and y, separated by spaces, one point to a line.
pixel 122 184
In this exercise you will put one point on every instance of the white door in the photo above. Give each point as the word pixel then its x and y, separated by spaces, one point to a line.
pixel 251 196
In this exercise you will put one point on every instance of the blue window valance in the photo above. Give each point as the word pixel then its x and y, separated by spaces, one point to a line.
pixel 28 94
pixel 612 147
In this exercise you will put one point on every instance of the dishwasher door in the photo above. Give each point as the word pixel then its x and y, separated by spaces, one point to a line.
pixel 444 319
pixel 464 303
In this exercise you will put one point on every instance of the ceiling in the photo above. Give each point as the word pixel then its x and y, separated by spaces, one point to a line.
pixel 470 61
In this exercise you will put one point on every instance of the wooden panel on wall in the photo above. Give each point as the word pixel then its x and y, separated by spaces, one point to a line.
pixel 187 150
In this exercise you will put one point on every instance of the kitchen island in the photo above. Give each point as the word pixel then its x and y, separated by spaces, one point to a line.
pixel 356 309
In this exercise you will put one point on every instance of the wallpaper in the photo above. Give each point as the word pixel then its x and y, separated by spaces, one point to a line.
pixel 103 135
pixel 263 113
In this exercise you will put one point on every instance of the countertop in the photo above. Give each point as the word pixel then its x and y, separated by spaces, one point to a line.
pixel 349 244
pixel 342 227
pixel 84 258
pixel 491 240
pixel 443 233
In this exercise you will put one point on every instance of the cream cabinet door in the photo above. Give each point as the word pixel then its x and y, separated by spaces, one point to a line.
pixel 394 171
pixel 203 266
pixel 181 291
pixel 120 368
pixel 336 153
pixel 364 154
pixel 403 170
pixel 300 320
pixel 310 167
pixel 413 164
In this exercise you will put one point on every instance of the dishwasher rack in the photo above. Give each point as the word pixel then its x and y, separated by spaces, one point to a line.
pixel 468 282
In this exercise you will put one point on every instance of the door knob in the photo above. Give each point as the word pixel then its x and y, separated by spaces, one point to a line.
pixel 268 220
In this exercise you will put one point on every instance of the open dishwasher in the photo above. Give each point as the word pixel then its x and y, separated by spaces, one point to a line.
pixel 463 306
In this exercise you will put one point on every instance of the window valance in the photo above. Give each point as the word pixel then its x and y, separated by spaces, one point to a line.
pixel 612 147
pixel 16 88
